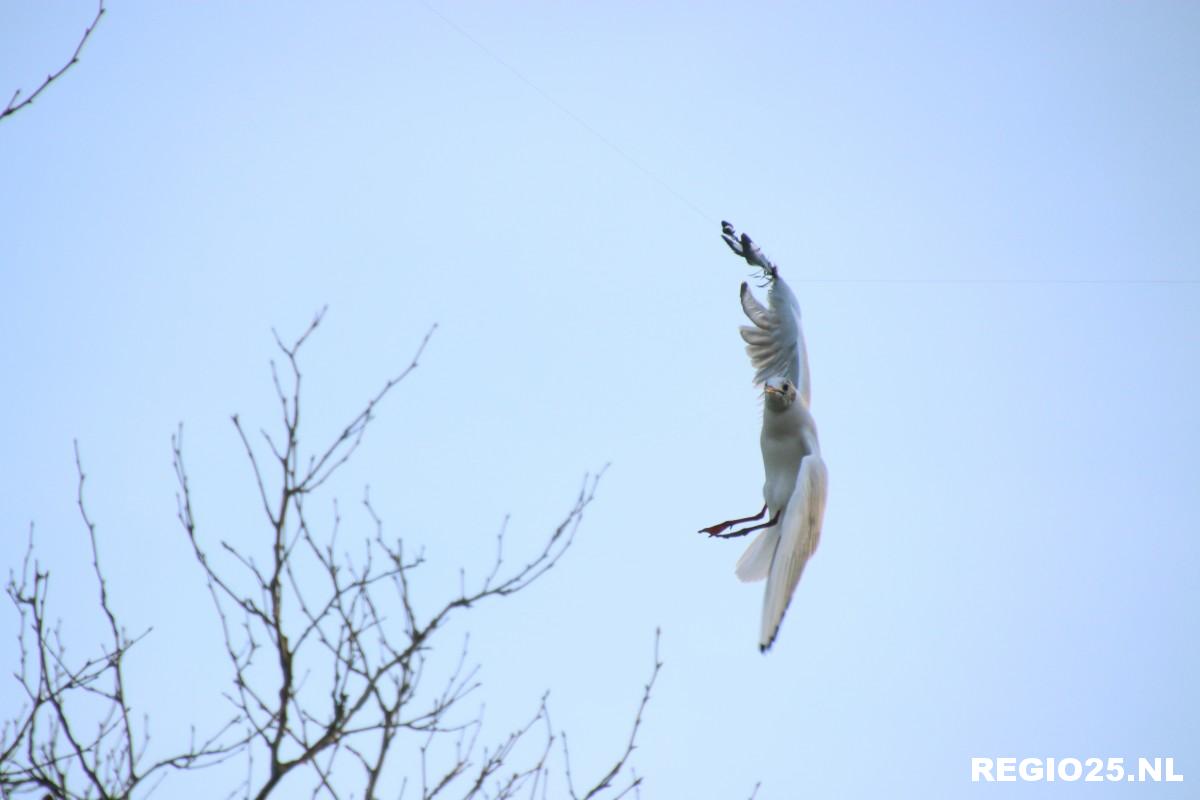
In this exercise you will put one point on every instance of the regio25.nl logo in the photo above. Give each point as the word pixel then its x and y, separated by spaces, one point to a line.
pixel 1068 770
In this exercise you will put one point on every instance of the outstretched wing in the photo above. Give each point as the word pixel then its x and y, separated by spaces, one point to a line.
pixel 799 533
pixel 774 342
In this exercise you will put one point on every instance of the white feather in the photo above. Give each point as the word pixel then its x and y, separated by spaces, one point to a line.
pixel 799 533
pixel 775 344
pixel 755 563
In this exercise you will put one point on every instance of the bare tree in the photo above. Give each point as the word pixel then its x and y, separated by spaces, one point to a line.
pixel 340 683
pixel 15 103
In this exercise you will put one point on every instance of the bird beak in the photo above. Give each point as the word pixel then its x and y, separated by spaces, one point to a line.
pixel 771 390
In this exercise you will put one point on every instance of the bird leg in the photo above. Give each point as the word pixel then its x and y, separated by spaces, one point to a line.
pixel 714 530
pixel 751 529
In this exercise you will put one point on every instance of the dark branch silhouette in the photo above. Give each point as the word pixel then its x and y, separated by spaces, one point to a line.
pixel 52 743
pixel 606 782
pixel 341 680
pixel 15 104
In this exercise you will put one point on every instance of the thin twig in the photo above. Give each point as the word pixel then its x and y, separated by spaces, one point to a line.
pixel 606 781
pixel 14 106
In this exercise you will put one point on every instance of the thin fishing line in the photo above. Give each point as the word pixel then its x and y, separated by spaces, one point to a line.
pixel 708 218
pixel 1030 281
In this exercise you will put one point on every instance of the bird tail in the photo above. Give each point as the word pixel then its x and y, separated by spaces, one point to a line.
pixel 755 563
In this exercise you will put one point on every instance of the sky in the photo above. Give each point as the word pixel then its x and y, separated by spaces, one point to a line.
pixel 987 211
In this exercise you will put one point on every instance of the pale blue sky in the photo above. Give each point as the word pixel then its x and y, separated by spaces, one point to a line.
pixel 988 212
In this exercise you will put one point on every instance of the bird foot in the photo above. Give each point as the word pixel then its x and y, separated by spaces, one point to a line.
pixel 717 530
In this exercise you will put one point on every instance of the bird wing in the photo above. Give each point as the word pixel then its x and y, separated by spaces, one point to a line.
pixel 799 533
pixel 774 342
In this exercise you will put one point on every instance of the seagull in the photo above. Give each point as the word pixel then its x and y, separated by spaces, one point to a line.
pixel 796 480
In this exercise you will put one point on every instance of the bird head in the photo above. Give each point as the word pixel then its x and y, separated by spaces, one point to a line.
pixel 779 393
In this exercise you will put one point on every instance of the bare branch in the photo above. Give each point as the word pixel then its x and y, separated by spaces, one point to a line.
pixel 336 670
pixel 119 641
pixel 315 605
pixel 606 782
pixel 15 104
pixel 48 746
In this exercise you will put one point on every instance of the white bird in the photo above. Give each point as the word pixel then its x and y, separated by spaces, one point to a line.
pixel 796 480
